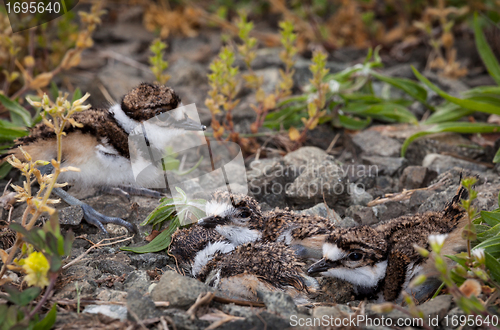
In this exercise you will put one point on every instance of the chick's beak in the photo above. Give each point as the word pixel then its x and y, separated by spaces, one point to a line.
pixel 321 266
pixel 208 222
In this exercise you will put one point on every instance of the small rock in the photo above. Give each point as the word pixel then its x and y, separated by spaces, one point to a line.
pixel 71 216
pixel 373 143
pixel 138 280
pixel 112 295
pixel 179 291
pixel 141 306
pixel 114 311
pixel 347 222
pixel 241 311
pixel 264 320
pixel 337 311
pixel 414 177
pixel 390 210
pixel 385 165
pixel 361 214
pixel 359 196
pixel 418 198
pixel 306 156
pixel 436 308
pixel 443 163
pixel 278 302
pixel 267 181
pixel 322 179
pixel 118 264
pixel 116 230
pixel 323 211
pixel 148 261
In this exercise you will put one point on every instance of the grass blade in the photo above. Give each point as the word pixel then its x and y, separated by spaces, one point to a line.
pixel 485 52
pixel 457 127
pixel 465 103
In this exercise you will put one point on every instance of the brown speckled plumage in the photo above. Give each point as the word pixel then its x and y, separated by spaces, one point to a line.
pixel 141 103
pixel 186 242
pixel 148 100
pixel 273 263
pixel 394 241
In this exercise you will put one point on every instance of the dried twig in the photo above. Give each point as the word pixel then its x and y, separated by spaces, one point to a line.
pixel 238 302
pixel 200 301
pixel 97 245
pixel 404 195
pixel 224 319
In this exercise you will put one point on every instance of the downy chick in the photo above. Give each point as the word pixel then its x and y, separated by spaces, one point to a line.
pixel 380 262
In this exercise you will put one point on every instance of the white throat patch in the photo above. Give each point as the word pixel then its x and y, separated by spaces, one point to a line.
pixel 366 276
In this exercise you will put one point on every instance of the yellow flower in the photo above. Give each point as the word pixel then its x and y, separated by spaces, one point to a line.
pixel 36 267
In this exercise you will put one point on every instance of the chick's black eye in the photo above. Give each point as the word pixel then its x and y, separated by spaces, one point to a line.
pixel 355 256
pixel 245 214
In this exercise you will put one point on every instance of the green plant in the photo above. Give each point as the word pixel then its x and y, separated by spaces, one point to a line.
pixel 43 248
pixel 317 102
pixel 64 41
pixel 351 101
pixel 157 64
pixel 177 212
pixel 484 99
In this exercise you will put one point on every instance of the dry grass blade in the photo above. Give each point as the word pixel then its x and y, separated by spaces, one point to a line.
pixel 223 318
pixel 202 299
pixel 99 244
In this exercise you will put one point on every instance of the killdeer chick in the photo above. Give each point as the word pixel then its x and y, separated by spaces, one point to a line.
pixel 195 246
pixel 100 148
pixel 381 261
pixel 255 267
pixel 239 219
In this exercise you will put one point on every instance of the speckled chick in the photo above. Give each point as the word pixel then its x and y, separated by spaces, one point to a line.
pixel 239 219
pixel 255 267
pixel 381 261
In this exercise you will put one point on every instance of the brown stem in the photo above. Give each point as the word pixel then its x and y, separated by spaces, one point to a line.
pixel 48 291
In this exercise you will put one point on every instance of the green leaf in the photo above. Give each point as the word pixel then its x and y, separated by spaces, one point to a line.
pixel 410 87
pixel 491 246
pixel 4 170
pixel 54 90
pixel 23 116
pixel 387 111
pixel 492 232
pixel 159 243
pixel 485 52
pixel 446 113
pixel 491 218
pixel 493 266
pixel 353 123
pixel 48 321
pixel 465 103
pixel 77 94
pixel 496 159
pixel 457 127
pixel 461 261
pixel 22 298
